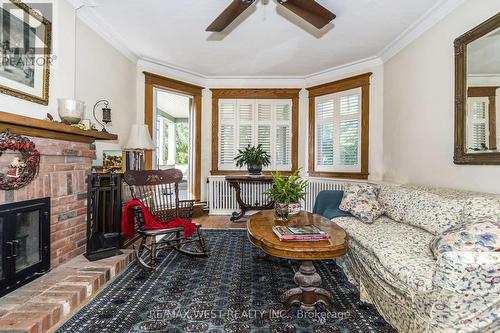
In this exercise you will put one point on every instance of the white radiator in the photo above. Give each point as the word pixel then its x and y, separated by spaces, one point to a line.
pixel 222 198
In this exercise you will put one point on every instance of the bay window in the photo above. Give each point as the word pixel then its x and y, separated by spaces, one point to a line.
pixel 254 120
pixel 338 129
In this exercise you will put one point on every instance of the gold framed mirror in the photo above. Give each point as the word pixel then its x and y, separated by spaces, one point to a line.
pixel 477 95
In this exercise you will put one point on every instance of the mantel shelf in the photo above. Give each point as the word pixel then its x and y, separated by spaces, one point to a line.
pixel 51 130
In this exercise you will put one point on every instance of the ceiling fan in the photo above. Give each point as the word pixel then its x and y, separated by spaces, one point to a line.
pixel 309 10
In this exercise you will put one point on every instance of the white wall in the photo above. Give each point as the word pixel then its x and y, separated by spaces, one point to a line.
pixel 61 72
pixel 102 72
pixel 419 107
pixel 376 102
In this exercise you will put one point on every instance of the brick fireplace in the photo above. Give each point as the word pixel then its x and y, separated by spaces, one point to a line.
pixel 64 166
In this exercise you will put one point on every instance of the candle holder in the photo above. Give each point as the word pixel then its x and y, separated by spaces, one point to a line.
pixel 106 114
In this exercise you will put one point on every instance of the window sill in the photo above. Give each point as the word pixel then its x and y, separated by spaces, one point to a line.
pixel 243 173
pixel 344 175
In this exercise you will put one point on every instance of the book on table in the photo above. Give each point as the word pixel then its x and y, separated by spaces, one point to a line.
pixel 304 233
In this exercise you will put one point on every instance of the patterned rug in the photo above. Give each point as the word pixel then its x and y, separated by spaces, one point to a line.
pixel 228 292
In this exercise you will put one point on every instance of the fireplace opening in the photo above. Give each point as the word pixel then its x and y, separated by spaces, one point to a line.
pixel 25 235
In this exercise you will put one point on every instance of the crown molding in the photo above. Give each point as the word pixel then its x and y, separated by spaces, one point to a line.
pixel 84 10
pixel 427 21
pixel 258 81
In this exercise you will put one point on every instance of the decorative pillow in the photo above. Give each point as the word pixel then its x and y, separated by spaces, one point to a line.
pixel 482 209
pixel 395 199
pixel 470 236
pixel 353 191
pixel 361 201
pixel 432 212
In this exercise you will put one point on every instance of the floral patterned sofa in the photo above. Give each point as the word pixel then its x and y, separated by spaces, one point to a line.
pixel 392 263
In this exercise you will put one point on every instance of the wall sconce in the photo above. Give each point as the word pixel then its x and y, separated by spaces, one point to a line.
pixel 106 114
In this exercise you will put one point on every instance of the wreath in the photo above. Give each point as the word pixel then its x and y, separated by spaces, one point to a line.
pixel 26 169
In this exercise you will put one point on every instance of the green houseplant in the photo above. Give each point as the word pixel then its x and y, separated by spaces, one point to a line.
pixel 286 191
pixel 254 158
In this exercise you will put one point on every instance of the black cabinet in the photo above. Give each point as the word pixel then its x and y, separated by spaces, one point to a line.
pixel 25 249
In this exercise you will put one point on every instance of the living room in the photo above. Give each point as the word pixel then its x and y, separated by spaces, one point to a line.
pixel 374 121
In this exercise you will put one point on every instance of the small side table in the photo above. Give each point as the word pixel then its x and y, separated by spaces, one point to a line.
pixel 236 182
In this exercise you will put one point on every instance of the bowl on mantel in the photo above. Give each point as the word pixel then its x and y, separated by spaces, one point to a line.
pixel 71 110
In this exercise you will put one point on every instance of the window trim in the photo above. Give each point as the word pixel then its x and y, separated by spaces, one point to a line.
pixel 154 81
pixel 218 94
pixel 360 81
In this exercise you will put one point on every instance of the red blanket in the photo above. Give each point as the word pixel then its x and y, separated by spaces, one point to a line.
pixel 151 222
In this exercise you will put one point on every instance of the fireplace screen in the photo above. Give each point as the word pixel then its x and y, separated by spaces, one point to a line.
pixel 25 233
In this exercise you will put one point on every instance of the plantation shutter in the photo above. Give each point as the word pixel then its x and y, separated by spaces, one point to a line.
pixel 350 110
pixel 248 122
pixel 245 123
pixel 478 131
pixel 264 127
pixel 338 132
pixel 324 133
pixel 283 115
pixel 227 138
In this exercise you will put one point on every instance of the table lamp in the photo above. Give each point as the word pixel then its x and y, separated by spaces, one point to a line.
pixel 139 140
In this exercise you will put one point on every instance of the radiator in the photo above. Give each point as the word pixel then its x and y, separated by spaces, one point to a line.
pixel 222 198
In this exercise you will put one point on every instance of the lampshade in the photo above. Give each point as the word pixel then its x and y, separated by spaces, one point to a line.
pixel 139 138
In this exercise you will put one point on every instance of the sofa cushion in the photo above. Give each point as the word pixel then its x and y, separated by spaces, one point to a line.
pixel 432 212
pixel 470 237
pixel 395 200
pixel 482 208
pixel 402 250
pixel 361 201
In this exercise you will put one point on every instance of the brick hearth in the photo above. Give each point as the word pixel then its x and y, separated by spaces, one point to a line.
pixel 64 166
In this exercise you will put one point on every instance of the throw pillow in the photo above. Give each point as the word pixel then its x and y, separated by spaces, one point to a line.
pixel 353 191
pixel 361 201
pixel 395 199
pixel 470 236
pixel 432 212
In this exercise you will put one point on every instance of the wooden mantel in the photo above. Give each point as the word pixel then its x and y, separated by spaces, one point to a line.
pixel 51 130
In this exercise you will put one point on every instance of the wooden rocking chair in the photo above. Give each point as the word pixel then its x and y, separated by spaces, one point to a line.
pixel 159 192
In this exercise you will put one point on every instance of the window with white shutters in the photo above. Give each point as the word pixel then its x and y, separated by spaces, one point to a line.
pixel 338 132
pixel 267 122
pixel 478 131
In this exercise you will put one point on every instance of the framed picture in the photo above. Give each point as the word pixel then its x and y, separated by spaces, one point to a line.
pixel 112 160
pixel 25 47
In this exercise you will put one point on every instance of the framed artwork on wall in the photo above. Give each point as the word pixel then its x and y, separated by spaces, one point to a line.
pixel 25 47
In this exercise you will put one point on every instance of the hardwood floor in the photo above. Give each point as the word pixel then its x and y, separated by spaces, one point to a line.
pixel 222 222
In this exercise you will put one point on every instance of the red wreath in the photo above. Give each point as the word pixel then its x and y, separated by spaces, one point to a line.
pixel 31 159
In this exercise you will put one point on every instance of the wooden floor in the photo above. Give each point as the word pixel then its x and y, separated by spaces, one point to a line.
pixel 217 222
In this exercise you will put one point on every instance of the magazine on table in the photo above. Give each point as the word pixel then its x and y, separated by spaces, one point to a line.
pixel 302 233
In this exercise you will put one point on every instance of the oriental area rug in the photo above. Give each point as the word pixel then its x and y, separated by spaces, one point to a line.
pixel 234 290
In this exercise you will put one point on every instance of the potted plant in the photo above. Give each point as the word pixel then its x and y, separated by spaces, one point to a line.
pixel 286 191
pixel 254 158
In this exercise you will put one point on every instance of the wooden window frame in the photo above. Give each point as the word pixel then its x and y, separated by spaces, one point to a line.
pixel 360 81
pixel 153 81
pixel 217 94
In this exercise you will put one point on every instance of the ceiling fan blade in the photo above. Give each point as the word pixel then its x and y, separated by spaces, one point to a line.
pixel 309 10
pixel 229 15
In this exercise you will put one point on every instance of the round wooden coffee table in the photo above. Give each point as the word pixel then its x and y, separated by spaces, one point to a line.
pixel 309 294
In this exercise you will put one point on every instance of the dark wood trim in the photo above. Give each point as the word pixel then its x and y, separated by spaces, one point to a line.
pixel 481 91
pixel 50 130
pixel 461 156
pixel 292 93
pixel 255 93
pixel 153 81
pixel 360 81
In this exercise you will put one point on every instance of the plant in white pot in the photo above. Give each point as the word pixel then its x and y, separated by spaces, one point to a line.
pixel 254 158
pixel 286 191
